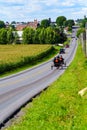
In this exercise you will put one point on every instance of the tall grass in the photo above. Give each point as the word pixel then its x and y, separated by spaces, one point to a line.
pixel 59 107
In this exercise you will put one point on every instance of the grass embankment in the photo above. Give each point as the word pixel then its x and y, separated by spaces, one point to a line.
pixel 59 107
pixel 13 57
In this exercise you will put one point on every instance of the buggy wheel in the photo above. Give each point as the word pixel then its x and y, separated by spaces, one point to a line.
pixel 65 63
pixel 51 67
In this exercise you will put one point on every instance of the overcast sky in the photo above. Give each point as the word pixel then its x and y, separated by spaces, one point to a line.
pixel 28 10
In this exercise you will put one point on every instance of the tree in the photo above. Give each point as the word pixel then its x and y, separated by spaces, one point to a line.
pixel 65 23
pixel 81 30
pixel 84 21
pixel 2 24
pixel 10 36
pixel 27 36
pixel 45 23
pixel 3 36
pixel 60 20
pixel 36 39
pixel 13 22
pixel 69 23
pixel 63 37
pixel 50 35
pixel 42 36
pixel 12 27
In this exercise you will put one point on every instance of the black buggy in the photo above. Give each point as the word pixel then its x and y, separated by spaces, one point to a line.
pixel 58 62
pixel 62 51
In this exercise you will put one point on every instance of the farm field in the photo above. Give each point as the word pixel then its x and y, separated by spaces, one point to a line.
pixel 59 107
pixel 16 56
pixel 14 53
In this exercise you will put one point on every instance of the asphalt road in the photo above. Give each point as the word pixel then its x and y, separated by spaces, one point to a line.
pixel 17 89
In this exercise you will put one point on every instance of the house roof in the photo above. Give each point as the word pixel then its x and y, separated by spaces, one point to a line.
pixel 33 24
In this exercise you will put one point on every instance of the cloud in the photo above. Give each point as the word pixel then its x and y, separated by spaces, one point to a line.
pixel 83 11
pixel 21 10
pixel 49 2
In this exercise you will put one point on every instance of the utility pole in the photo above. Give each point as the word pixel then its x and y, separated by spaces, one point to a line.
pixel 83 41
pixel 86 38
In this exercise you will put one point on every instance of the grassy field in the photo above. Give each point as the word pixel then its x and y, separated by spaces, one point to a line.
pixel 59 107
pixel 14 53
pixel 13 57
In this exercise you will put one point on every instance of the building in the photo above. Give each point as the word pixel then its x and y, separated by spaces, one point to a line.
pixel 33 25
pixel 20 27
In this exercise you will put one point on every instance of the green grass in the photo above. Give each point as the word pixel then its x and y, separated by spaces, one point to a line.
pixel 59 107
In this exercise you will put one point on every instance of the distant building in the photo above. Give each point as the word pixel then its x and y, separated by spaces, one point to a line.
pixel 20 35
pixel 33 25
pixel 20 27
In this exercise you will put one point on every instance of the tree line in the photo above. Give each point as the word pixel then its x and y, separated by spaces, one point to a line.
pixel 46 32
pixel 43 35
pixel 30 36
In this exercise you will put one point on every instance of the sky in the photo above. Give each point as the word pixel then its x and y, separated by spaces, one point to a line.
pixel 28 10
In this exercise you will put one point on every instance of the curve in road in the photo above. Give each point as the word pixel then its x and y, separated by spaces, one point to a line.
pixel 16 90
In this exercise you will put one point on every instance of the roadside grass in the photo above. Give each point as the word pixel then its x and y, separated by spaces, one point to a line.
pixel 25 51
pixel 59 107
